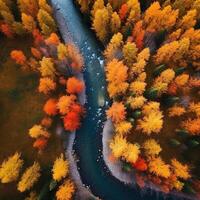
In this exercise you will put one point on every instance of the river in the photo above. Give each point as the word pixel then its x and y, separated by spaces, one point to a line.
pixel 88 142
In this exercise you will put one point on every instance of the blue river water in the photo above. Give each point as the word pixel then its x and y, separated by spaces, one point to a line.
pixel 88 143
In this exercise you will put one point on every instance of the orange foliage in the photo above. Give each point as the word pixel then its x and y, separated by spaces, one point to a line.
pixel 46 122
pixel 74 86
pixel 140 180
pixel 53 39
pixel 140 164
pixel 172 88
pixel 40 143
pixel 18 56
pixel 138 34
pixel 116 112
pixel 6 30
pixel 38 38
pixel 192 126
pixel 50 107
pixel 72 121
pixel 194 82
pixel 123 11
pixel 36 53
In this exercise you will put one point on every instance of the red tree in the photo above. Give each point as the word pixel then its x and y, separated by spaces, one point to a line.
pixel 50 107
pixel 72 121
pixel 74 86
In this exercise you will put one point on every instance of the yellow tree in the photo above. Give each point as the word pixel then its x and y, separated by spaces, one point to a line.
pixel 159 168
pixel 62 51
pixel 176 111
pixel 123 128
pixel 196 6
pixel 10 168
pixel 47 67
pixel 118 146
pixel 180 170
pixel 115 23
pixel 114 47
pixel 151 148
pixel 117 112
pixel 116 75
pixel 66 191
pixel 29 177
pixel 101 24
pixel 28 22
pixel 136 102
pixel 46 22
pixel 189 20
pixel 45 6
pixel 38 131
pixel 98 4
pixel 130 52
pixel 137 87
pixel 131 153
pixel 60 168
pixel 46 85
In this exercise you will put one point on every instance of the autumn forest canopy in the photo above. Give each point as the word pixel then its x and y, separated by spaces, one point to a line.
pixel 151 52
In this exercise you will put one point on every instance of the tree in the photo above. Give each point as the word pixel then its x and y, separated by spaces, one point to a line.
pixel 46 22
pixel 192 126
pixel 65 103
pixel 159 168
pixel 166 52
pixel 180 170
pixel 123 11
pixel 40 143
pixel 53 39
pixel 50 107
pixel 101 24
pixel 136 102
pixel 151 148
pixel 138 34
pixel 46 122
pixel 137 87
pixel 189 20
pixel 36 53
pixel 116 112
pixel 98 4
pixel 130 52
pixel 195 108
pixel 151 123
pixel 118 146
pixel 196 6
pixel 44 5
pixel 66 191
pixel 115 23
pixel 18 28
pixel 113 49
pixel 32 196
pixel 72 121
pixel 75 86
pixel 38 37
pixel 123 128
pixel 29 7
pixel 116 76
pixel 176 111
pixel 10 168
pixel 18 56
pixel 132 153
pixel 140 164
pixel 47 67
pixel 46 85
pixel 181 80
pixel 28 22
pixel 29 177
pixel 37 131
pixel 7 30
pixel 60 168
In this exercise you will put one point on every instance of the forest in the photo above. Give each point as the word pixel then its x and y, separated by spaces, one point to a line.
pixel 151 67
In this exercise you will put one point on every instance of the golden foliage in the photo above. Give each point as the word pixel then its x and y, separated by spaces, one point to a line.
pixel 28 22
pixel 47 67
pixel 60 168
pixel 46 85
pixel 144 55
pixel 62 51
pixel 136 102
pixel 159 168
pixel 130 52
pixel 182 80
pixel 66 191
pixel 118 146
pixel 132 152
pixel 151 147
pixel 115 23
pixel 176 111
pixel 180 170
pixel 151 106
pixel 10 168
pixel 114 46
pixel 65 103
pixel 117 112
pixel 123 128
pixel 116 76
pixel 137 87
pixel 195 108
pixel 37 131
pixel 29 177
